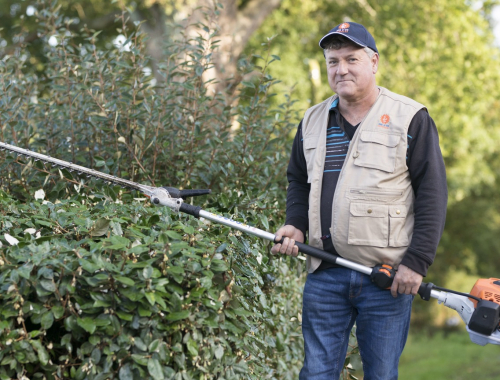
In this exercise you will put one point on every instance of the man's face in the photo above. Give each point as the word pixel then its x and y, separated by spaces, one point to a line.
pixel 351 73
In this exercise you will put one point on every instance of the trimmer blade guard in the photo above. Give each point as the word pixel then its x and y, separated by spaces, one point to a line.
pixel 483 340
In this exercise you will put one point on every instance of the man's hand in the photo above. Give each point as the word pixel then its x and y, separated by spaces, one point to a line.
pixel 291 235
pixel 406 281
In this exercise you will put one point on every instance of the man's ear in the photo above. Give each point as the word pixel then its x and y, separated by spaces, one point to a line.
pixel 375 60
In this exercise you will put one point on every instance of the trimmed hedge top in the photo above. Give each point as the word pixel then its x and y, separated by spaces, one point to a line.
pixel 133 290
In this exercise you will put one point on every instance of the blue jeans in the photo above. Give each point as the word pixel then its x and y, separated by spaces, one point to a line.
pixel 334 299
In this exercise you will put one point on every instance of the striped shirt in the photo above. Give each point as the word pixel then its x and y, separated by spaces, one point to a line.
pixel 337 144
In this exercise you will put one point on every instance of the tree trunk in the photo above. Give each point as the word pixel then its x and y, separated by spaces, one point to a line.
pixel 235 26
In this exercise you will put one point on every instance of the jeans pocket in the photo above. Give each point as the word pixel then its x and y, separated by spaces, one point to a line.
pixel 368 224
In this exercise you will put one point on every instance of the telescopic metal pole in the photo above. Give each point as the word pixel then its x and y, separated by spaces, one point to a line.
pixel 304 248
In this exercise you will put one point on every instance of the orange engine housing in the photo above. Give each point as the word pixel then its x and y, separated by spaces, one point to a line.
pixel 486 289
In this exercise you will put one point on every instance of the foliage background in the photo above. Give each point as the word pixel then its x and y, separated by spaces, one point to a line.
pixel 116 110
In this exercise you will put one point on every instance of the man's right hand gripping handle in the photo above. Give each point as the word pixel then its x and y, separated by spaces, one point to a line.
pixel 290 235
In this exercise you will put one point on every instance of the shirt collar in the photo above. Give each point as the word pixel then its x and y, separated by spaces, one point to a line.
pixel 334 104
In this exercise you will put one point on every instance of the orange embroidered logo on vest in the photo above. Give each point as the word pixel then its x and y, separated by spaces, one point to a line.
pixel 384 121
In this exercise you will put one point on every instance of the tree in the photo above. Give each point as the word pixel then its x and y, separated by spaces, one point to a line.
pixel 234 21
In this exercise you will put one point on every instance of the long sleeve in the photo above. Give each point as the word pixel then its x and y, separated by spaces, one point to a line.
pixel 428 177
pixel 297 200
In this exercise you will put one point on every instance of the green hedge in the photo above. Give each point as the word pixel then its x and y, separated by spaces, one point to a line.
pixel 102 285
pixel 129 291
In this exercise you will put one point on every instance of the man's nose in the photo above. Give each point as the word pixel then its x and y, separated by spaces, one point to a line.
pixel 342 68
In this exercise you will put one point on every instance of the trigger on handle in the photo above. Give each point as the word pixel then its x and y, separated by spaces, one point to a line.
pixel 383 276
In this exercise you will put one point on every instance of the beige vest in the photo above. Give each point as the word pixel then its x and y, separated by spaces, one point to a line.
pixel 372 215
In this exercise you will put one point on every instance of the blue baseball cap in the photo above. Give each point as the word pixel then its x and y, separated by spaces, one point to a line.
pixel 357 33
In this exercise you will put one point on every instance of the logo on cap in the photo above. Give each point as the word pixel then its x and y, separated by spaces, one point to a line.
pixel 344 27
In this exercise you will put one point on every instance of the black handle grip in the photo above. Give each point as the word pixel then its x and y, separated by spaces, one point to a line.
pixel 382 275
pixel 425 290
pixel 176 193
pixel 190 209
pixel 311 251
pixel 194 193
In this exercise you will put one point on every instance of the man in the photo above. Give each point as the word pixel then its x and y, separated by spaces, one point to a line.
pixel 367 180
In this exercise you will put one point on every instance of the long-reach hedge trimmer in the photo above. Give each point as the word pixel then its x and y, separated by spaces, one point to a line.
pixel 479 309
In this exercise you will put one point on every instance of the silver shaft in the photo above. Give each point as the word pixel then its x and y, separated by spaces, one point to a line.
pixel 269 236
pixel 80 169
pixel 237 225
pixel 354 266
pixel 436 293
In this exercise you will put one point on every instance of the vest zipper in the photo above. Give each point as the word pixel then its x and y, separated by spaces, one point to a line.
pixel 348 157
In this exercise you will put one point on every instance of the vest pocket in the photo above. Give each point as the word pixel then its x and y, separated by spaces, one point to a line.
pixel 377 150
pixel 368 224
pixel 398 237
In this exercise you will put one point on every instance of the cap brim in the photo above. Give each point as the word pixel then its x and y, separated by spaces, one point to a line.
pixel 341 34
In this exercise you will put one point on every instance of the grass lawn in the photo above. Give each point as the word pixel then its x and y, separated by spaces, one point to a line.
pixel 453 357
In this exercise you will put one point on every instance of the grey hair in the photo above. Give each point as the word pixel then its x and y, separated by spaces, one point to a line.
pixel 336 42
